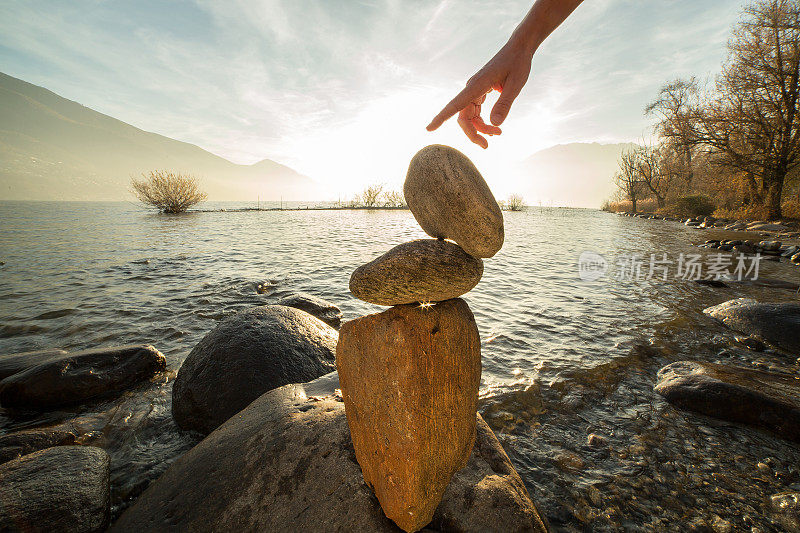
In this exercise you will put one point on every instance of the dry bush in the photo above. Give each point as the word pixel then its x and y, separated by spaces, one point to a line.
pixel 648 205
pixel 168 192
pixel 371 195
pixel 515 202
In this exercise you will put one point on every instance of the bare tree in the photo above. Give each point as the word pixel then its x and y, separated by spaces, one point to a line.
pixel 752 121
pixel 675 107
pixel 167 191
pixel 627 178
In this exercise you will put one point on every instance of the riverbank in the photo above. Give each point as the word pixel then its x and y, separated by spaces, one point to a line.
pixel 568 366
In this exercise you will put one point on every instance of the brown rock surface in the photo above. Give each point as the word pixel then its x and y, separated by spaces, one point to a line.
pixel 409 378
pixel 426 270
pixel 450 199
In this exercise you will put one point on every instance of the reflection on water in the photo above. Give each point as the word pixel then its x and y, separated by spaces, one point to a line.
pixel 562 358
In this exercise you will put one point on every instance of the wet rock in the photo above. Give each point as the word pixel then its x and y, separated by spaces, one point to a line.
pixel 790 251
pixel 80 376
pixel 450 199
pixel 775 323
pixel 426 270
pixel 796 259
pixel 57 489
pixel 770 246
pixel 766 226
pixel 751 343
pixel 247 354
pixel 17 362
pixel 14 445
pixel 322 309
pixel 409 378
pixel 287 462
pixel 711 283
pixel 596 441
pixel 744 248
pixel 786 507
pixel 765 399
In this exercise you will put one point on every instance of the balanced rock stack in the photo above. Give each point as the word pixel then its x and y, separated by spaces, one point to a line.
pixel 410 375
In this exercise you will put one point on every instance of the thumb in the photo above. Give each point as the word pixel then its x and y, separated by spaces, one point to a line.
pixel 507 96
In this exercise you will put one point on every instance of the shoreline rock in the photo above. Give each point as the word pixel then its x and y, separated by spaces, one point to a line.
pixel 246 355
pixel 764 399
pixel 80 376
pixel 316 307
pixel 17 362
pixel 775 323
pixel 287 462
pixel 57 489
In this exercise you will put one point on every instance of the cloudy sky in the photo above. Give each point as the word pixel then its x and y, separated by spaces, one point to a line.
pixel 342 90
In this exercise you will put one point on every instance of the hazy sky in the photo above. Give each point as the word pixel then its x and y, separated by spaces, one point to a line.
pixel 342 90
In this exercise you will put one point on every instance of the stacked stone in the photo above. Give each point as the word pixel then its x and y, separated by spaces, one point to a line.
pixel 410 375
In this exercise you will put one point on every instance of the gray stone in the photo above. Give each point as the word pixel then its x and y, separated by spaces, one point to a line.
pixel 80 376
pixel 450 199
pixel 426 270
pixel 770 246
pixel 17 362
pixel 13 445
pixel 775 323
pixel 62 489
pixel 246 355
pixel 765 399
pixel 286 463
pixel 322 309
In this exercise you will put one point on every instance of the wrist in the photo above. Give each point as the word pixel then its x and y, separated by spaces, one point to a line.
pixel 525 39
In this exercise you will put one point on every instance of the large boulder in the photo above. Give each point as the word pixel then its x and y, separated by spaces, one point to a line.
pixel 426 270
pixel 61 489
pixel 80 376
pixel 322 309
pixel 13 445
pixel 775 323
pixel 246 355
pixel 286 463
pixel 409 378
pixel 17 362
pixel 765 399
pixel 450 200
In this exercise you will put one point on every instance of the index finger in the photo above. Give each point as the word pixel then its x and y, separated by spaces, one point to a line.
pixel 472 91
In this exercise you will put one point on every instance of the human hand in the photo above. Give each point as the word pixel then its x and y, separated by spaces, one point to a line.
pixel 506 72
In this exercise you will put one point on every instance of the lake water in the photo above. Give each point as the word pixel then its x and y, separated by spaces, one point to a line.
pixel 562 358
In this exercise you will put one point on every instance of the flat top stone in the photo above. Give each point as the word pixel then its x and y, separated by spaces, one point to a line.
pixel 451 200
pixel 765 399
pixel 425 270
pixel 775 323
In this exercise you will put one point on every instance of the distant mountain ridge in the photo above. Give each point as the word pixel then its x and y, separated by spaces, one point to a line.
pixel 52 148
pixel 571 175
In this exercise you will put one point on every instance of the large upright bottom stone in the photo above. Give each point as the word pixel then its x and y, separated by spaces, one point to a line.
pixel 409 378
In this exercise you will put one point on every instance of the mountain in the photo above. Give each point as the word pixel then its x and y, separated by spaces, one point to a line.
pixel 52 148
pixel 572 175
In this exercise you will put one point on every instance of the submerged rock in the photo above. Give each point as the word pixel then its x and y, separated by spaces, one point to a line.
pixel 286 462
pixel 409 378
pixel 426 270
pixel 17 362
pixel 57 489
pixel 13 445
pixel 246 355
pixel 775 323
pixel 765 399
pixel 322 309
pixel 80 376
pixel 450 200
